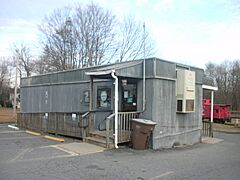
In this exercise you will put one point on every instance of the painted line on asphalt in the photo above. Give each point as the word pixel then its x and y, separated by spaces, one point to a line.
pixel 20 155
pixel 13 127
pixel 64 150
pixel 161 175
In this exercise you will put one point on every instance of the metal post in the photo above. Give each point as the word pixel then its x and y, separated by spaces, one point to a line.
pixel 144 64
pixel 15 90
pixel 212 97
pixel 212 94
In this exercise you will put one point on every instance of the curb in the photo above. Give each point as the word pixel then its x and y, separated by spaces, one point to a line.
pixel 227 132
pixel 33 133
pixel 54 138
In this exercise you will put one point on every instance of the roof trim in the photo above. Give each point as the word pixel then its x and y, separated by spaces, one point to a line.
pixel 212 88
pixel 99 73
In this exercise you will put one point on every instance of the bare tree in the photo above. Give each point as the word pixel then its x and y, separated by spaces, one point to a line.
pixel 87 36
pixel 4 81
pixel 227 75
pixel 26 60
pixel 131 42
pixel 95 34
pixel 59 41
pixel 234 84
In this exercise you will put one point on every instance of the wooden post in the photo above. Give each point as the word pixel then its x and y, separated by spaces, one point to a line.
pixel 56 123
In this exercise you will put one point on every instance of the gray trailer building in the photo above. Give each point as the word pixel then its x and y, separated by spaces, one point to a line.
pixel 98 103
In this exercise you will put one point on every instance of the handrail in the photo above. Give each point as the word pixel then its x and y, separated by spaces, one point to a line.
pixel 111 116
pixel 207 129
pixel 123 123
pixel 82 117
pixel 101 122
pixel 85 114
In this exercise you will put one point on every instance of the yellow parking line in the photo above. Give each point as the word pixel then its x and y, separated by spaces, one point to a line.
pixel 54 138
pixel 33 133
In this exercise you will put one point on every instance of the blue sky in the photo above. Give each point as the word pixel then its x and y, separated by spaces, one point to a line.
pixel 187 31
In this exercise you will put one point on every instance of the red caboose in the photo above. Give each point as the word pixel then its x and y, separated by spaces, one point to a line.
pixel 221 112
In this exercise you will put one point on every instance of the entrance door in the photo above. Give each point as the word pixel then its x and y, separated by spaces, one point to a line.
pixel 129 97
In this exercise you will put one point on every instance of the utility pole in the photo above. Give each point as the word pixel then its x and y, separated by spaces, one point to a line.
pixel 15 88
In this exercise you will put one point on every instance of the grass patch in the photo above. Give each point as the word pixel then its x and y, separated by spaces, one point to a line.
pixel 225 128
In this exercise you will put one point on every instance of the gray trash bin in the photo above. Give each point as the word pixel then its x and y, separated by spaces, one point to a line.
pixel 142 129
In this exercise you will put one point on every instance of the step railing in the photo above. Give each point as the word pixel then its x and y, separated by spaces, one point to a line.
pixel 124 126
pixel 207 129
pixel 84 124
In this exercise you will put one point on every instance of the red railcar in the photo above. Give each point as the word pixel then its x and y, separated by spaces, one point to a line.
pixel 221 112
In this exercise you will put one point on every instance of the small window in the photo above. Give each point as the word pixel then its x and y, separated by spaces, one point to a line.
pixel 86 96
pixel 104 98
pixel 189 105
pixel 179 105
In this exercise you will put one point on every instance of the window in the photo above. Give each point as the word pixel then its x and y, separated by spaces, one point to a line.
pixel 104 98
pixel 190 105
pixel 179 105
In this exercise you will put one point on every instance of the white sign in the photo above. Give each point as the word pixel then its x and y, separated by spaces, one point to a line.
pixel 125 94
pixel 74 117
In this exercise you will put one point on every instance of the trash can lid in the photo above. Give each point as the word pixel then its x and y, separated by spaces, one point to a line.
pixel 144 121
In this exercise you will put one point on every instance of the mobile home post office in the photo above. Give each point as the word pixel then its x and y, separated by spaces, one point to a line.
pixel 79 102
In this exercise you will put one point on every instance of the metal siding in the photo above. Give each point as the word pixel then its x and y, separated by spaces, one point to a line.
pixel 149 64
pixel 61 98
pixel 173 127
pixel 147 114
pixel 165 69
pixel 199 74
pixel 133 71
pixel 164 106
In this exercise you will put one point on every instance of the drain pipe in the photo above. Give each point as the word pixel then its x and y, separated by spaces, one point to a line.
pixel 115 109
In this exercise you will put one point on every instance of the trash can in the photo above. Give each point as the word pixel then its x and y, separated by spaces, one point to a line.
pixel 142 129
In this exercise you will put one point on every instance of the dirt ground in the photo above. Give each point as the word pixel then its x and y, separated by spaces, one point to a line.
pixel 6 115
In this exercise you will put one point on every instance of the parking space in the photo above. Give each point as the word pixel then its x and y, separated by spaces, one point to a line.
pixel 18 146
pixel 24 156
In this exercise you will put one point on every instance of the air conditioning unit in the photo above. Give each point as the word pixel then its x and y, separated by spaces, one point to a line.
pixel 185 91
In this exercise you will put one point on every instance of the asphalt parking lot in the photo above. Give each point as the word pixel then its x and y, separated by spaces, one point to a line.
pixel 24 156
pixel 18 146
